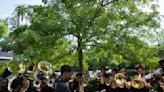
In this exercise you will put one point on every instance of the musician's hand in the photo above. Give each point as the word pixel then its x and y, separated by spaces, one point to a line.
pixel 127 84
pixel 147 85
pixel 104 90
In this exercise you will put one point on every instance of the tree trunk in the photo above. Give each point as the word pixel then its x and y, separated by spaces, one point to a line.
pixel 80 55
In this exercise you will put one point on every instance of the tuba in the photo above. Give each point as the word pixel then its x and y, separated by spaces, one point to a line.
pixel 31 68
pixel 25 84
pixel 119 79
pixel 138 83
pixel 10 83
pixel 12 68
pixel 16 71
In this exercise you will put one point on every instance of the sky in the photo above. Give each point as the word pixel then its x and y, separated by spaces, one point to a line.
pixel 7 6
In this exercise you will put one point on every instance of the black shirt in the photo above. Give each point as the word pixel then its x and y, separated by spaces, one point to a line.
pixel 61 86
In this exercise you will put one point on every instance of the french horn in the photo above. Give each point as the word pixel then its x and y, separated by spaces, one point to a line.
pixel 119 79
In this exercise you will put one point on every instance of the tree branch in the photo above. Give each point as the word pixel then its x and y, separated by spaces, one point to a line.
pixel 69 53
pixel 107 3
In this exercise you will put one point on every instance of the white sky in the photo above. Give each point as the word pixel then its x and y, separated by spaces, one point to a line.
pixel 161 8
pixel 8 6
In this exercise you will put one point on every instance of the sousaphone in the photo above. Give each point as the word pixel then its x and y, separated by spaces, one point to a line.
pixel 45 67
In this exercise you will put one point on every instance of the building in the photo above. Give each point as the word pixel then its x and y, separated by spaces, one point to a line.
pixel 6 56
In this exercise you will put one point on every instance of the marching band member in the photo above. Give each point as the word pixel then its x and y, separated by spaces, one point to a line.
pixel 121 80
pixel 139 83
pixel 66 73
pixel 111 80
pixel 160 78
pixel 102 86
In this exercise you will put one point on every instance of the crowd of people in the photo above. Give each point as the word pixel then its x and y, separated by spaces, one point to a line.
pixel 118 80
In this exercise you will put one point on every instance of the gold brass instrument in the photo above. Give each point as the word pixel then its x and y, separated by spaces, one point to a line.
pixel 138 83
pixel 11 66
pixel 119 79
pixel 10 83
pixel 14 69
pixel 31 68
pixel 45 67
pixel 81 84
pixel 26 84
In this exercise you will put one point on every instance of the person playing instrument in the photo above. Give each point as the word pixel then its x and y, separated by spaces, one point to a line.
pixel 79 83
pixel 111 80
pixel 41 81
pixel 141 76
pixel 160 78
pixel 102 86
pixel 28 82
pixel 124 86
pixel 66 73
pixel 4 80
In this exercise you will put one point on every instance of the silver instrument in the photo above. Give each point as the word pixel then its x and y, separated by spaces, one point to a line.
pixel 150 75
pixel 50 82
pixel 37 84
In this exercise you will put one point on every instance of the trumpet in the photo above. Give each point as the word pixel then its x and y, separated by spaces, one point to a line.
pixel 120 80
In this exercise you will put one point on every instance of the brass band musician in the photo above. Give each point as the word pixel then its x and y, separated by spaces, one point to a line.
pixel 102 79
pixel 139 84
pixel 121 81
pixel 160 78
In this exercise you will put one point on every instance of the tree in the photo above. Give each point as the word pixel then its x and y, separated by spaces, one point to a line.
pixel 104 30
pixel 3 31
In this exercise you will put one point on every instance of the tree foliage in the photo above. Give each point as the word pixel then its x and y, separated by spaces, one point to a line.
pixel 93 32
pixel 3 31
